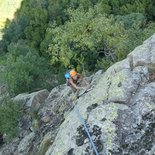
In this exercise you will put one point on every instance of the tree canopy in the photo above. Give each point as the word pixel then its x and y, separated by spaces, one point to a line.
pixel 48 36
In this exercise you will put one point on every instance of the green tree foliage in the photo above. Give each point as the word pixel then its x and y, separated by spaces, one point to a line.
pixel 35 31
pixel 14 31
pixel 124 7
pixel 89 37
pixel 72 33
pixel 132 20
pixel 25 69
pixel 94 38
pixel 30 24
pixel 16 28
pixel 10 114
pixel 56 10
pixel 138 29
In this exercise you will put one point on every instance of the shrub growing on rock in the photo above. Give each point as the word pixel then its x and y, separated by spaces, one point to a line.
pixel 10 113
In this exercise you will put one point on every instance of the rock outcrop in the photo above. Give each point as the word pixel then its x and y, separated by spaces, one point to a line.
pixel 119 112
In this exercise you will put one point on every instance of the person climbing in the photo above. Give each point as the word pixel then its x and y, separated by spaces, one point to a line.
pixel 76 81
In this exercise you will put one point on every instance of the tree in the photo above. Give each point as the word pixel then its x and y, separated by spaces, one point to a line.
pixel 87 37
pixel 35 31
pixel 14 31
pixel 9 125
pixel 25 69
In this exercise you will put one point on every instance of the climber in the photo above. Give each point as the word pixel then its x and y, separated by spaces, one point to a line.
pixel 76 81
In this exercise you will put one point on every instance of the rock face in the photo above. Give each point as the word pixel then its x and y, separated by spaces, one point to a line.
pixel 119 113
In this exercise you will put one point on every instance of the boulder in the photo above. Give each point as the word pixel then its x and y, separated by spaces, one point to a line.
pixel 33 100
pixel 144 55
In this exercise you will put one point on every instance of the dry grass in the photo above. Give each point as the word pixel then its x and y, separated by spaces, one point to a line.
pixel 7 10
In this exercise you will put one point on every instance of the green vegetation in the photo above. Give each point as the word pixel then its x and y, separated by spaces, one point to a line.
pixel 6 5
pixel 9 117
pixel 48 36
pixel 94 39
pixel 25 69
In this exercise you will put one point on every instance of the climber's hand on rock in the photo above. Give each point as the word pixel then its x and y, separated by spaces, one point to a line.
pixel 84 88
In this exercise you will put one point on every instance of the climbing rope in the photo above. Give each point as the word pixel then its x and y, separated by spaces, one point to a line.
pixel 86 129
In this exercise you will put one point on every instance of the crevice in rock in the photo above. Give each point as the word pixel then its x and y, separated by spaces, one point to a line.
pixel 108 89
pixel 119 102
pixel 91 107
pixel 71 152
pixel 130 58
pixel 152 76
pixel 1 139
pixel 103 119
pixel 138 87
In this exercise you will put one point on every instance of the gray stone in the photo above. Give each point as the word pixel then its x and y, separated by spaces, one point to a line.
pixel 46 142
pixel 144 54
pixel 33 100
pixel 26 144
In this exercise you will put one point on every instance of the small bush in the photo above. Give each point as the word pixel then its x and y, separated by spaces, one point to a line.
pixel 10 113
pixel 25 69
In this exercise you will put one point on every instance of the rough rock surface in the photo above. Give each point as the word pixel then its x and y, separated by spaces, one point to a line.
pixel 119 113
pixel 33 100
pixel 25 144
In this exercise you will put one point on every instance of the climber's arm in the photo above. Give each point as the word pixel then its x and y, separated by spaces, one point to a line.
pixel 74 85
